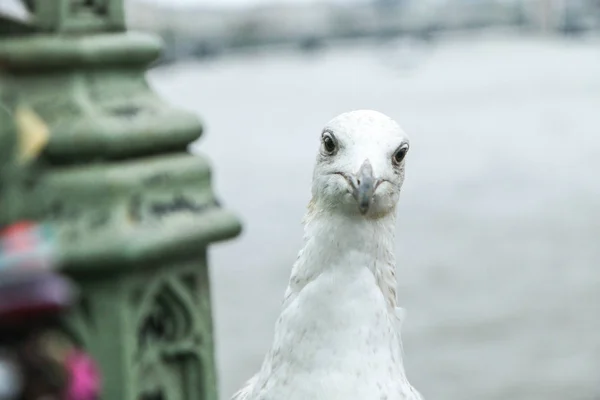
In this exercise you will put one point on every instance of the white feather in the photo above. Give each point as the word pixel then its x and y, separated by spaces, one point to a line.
pixel 338 334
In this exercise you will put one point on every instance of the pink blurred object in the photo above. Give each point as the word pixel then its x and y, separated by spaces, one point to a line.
pixel 84 383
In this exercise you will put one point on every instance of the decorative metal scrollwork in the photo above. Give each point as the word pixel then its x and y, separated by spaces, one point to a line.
pixel 168 357
pixel 167 318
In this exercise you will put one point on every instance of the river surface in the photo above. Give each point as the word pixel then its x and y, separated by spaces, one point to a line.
pixel 498 242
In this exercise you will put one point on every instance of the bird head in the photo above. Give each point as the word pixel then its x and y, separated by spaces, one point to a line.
pixel 360 164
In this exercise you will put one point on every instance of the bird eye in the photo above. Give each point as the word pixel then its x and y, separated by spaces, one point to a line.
pixel 400 154
pixel 329 143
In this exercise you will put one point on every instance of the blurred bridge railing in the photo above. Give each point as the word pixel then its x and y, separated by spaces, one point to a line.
pixel 104 161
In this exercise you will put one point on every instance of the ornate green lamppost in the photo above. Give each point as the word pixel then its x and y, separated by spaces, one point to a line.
pixel 134 212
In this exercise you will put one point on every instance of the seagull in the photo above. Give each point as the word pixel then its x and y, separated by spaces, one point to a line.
pixel 338 334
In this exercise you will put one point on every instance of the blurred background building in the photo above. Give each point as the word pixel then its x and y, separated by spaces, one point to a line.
pixel 205 28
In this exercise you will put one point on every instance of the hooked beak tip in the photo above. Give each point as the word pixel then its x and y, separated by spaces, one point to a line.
pixel 364 208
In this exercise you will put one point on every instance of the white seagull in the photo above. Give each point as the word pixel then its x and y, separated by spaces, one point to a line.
pixel 338 335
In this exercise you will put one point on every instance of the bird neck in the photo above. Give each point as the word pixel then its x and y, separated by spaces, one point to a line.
pixel 344 243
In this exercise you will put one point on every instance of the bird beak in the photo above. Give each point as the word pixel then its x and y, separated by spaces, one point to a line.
pixel 364 185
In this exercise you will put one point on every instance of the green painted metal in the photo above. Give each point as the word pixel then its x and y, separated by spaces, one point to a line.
pixel 12 175
pixel 134 211
pixel 72 16
pixel 8 136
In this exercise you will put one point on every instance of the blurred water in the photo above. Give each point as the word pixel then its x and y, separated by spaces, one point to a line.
pixel 499 223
